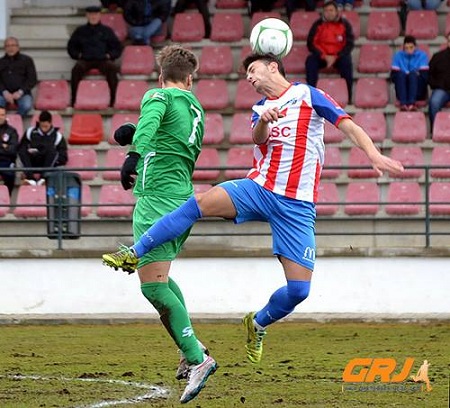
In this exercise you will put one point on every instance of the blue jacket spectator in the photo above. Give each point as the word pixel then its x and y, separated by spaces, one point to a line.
pixel 409 73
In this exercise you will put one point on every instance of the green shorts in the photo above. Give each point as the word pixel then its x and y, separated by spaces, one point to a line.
pixel 147 211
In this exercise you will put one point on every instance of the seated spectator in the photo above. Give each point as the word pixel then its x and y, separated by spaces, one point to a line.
pixel 439 80
pixel 94 46
pixel 145 18
pixel 330 41
pixel 8 150
pixel 409 73
pixel 17 78
pixel 202 5
pixel 345 4
pixel 42 146
pixel 292 5
pixel 112 5
pixel 423 4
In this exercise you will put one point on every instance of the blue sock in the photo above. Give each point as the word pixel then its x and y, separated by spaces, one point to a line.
pixel 168 227
pixel 282 302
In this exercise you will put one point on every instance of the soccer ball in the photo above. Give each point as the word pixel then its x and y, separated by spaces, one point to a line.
pixel 271 35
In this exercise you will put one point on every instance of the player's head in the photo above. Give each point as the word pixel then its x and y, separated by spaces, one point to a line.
pixel 177 64
pixel 267 59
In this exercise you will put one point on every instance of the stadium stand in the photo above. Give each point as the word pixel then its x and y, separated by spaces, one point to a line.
pixel 336 88
pixel 238 157
pixel 374 58
pixel 383 25
pixel 117 23
pixel 86 199
pixel 83 158
pixel 332 134
pixel 333 158
pixel 188 27
pixel 357 157
pixel 231 4
pixel 301 22
pixel 87 128
pixel 30 202
pixel 114 201
pixel 409 127
pixel 92 94
pixel 409 156
pixel 328 199
pixel 216 60
pixel 404 198
pixel 371 93
pixel 422 24
pixel 214 132
pixel 294 62
pixel 352 17
pixel 16 121
pixel 213 93
pixel 240 129
pixel 117 120
pixel 52 95
pixel 362 198
pixel 5 201
pixel 114 158
pixel 209 157
pixel 440 156
pixel 374 123
pixel 441 127
pixel 137 60
pixel 227 27
pixel 261 15
pixel 129 94
pixel 246 96
pixel 440 198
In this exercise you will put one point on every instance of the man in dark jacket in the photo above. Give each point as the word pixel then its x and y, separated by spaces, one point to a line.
pixel 42 146
pixel 94 46
pixel 439 80
pixel 8 150
pixel 17 77
pixel 145 18
pixel 330 41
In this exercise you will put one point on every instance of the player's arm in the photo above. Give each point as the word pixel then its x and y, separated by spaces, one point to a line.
pixel 361 139
pixel 260 132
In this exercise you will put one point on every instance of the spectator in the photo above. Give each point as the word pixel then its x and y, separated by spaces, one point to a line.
pixel 423 4
pixel 345 4
pixel 439 80
pixel 145 18
pixel 94 46
pixel 202 5
pixel 42 146
pixel 292 5
pixel 330 41
pixel 409 73
pixel 112 5
pixel 8 150
pixel 17 77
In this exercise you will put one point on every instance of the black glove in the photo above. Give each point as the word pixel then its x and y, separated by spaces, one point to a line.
pixel 128 170
pixel 124 134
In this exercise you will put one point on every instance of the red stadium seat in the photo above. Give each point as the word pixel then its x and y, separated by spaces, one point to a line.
pixel 294 62
pixel 357 157
pixel 92 94
pixel 301 22
pixel 332 134
pixel 352 17
pixel 447 23
pixel 52 95
pixel 227 27
pixel 385 3
pixel 188 27
pixel 114 201
pixel 245 51
pixel 440 156
pixel 238 157
pixel 422 24
pixel 332 159
pixel 328 202
pixel 241 132
pixel 440 198
pixel 216 60
pixel 201 188
pixel 371 93
pixel 374 58
pixel 231 4
pixel 213 93
pixel 336 88
pixel 86 199
pixel 441 127
pixel 403 198
pixel 246 96
pixel 214 133
pixel 34 198
pixel 57 120
pixel 4 200
pixel 16 121
pixel 137 60
pixel 409 127
pixel 209 157
pixel 374 123
pixel 117 120
pixel 83 158
pixel 262 15
pixel 362 198
pixel 87 128
pixel 129 94
pixel 161 36
pixel 408 156
pixel 117 23
pixel 383 25
pixel 114 158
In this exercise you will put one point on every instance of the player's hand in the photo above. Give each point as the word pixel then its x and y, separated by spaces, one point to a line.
pixel 124 134
pixel 271 115
pixel 128 172
pixel 384 163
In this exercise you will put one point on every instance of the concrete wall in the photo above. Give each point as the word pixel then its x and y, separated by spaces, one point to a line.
pixel 392 286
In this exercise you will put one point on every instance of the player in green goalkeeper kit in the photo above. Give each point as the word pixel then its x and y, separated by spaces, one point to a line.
pixel 166 143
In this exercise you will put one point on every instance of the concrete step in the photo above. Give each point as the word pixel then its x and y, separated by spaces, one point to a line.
pixel 40 32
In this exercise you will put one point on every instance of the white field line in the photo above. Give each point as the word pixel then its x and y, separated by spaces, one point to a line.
pixel 153 391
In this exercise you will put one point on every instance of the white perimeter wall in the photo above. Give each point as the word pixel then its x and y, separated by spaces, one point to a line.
pixel 227 286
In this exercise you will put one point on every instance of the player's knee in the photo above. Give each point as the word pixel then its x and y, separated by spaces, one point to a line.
pixel 298 291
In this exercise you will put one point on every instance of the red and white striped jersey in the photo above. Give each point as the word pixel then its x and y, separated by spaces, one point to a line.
pixel 289 163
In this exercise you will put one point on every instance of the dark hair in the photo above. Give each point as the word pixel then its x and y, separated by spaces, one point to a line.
pixel 176 63
pixel 409 39
pixel 331 3
pixel 266 58
pixel 45 116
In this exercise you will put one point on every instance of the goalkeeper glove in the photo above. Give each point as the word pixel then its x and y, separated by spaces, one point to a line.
pixel 128 171
pixel 124 134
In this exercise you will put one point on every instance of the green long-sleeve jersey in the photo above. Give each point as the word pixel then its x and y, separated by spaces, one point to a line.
pixel 168 138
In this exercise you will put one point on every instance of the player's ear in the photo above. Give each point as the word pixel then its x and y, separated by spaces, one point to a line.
pixel 189 81
pixel 160 81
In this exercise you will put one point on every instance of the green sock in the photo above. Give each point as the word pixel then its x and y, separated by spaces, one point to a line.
pixel 176 289
pixel 175 319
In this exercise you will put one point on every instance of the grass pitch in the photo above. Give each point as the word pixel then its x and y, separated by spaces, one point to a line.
pixel 98 366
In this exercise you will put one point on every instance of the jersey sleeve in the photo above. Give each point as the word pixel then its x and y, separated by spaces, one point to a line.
pixel 327 107
pixel 153 107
